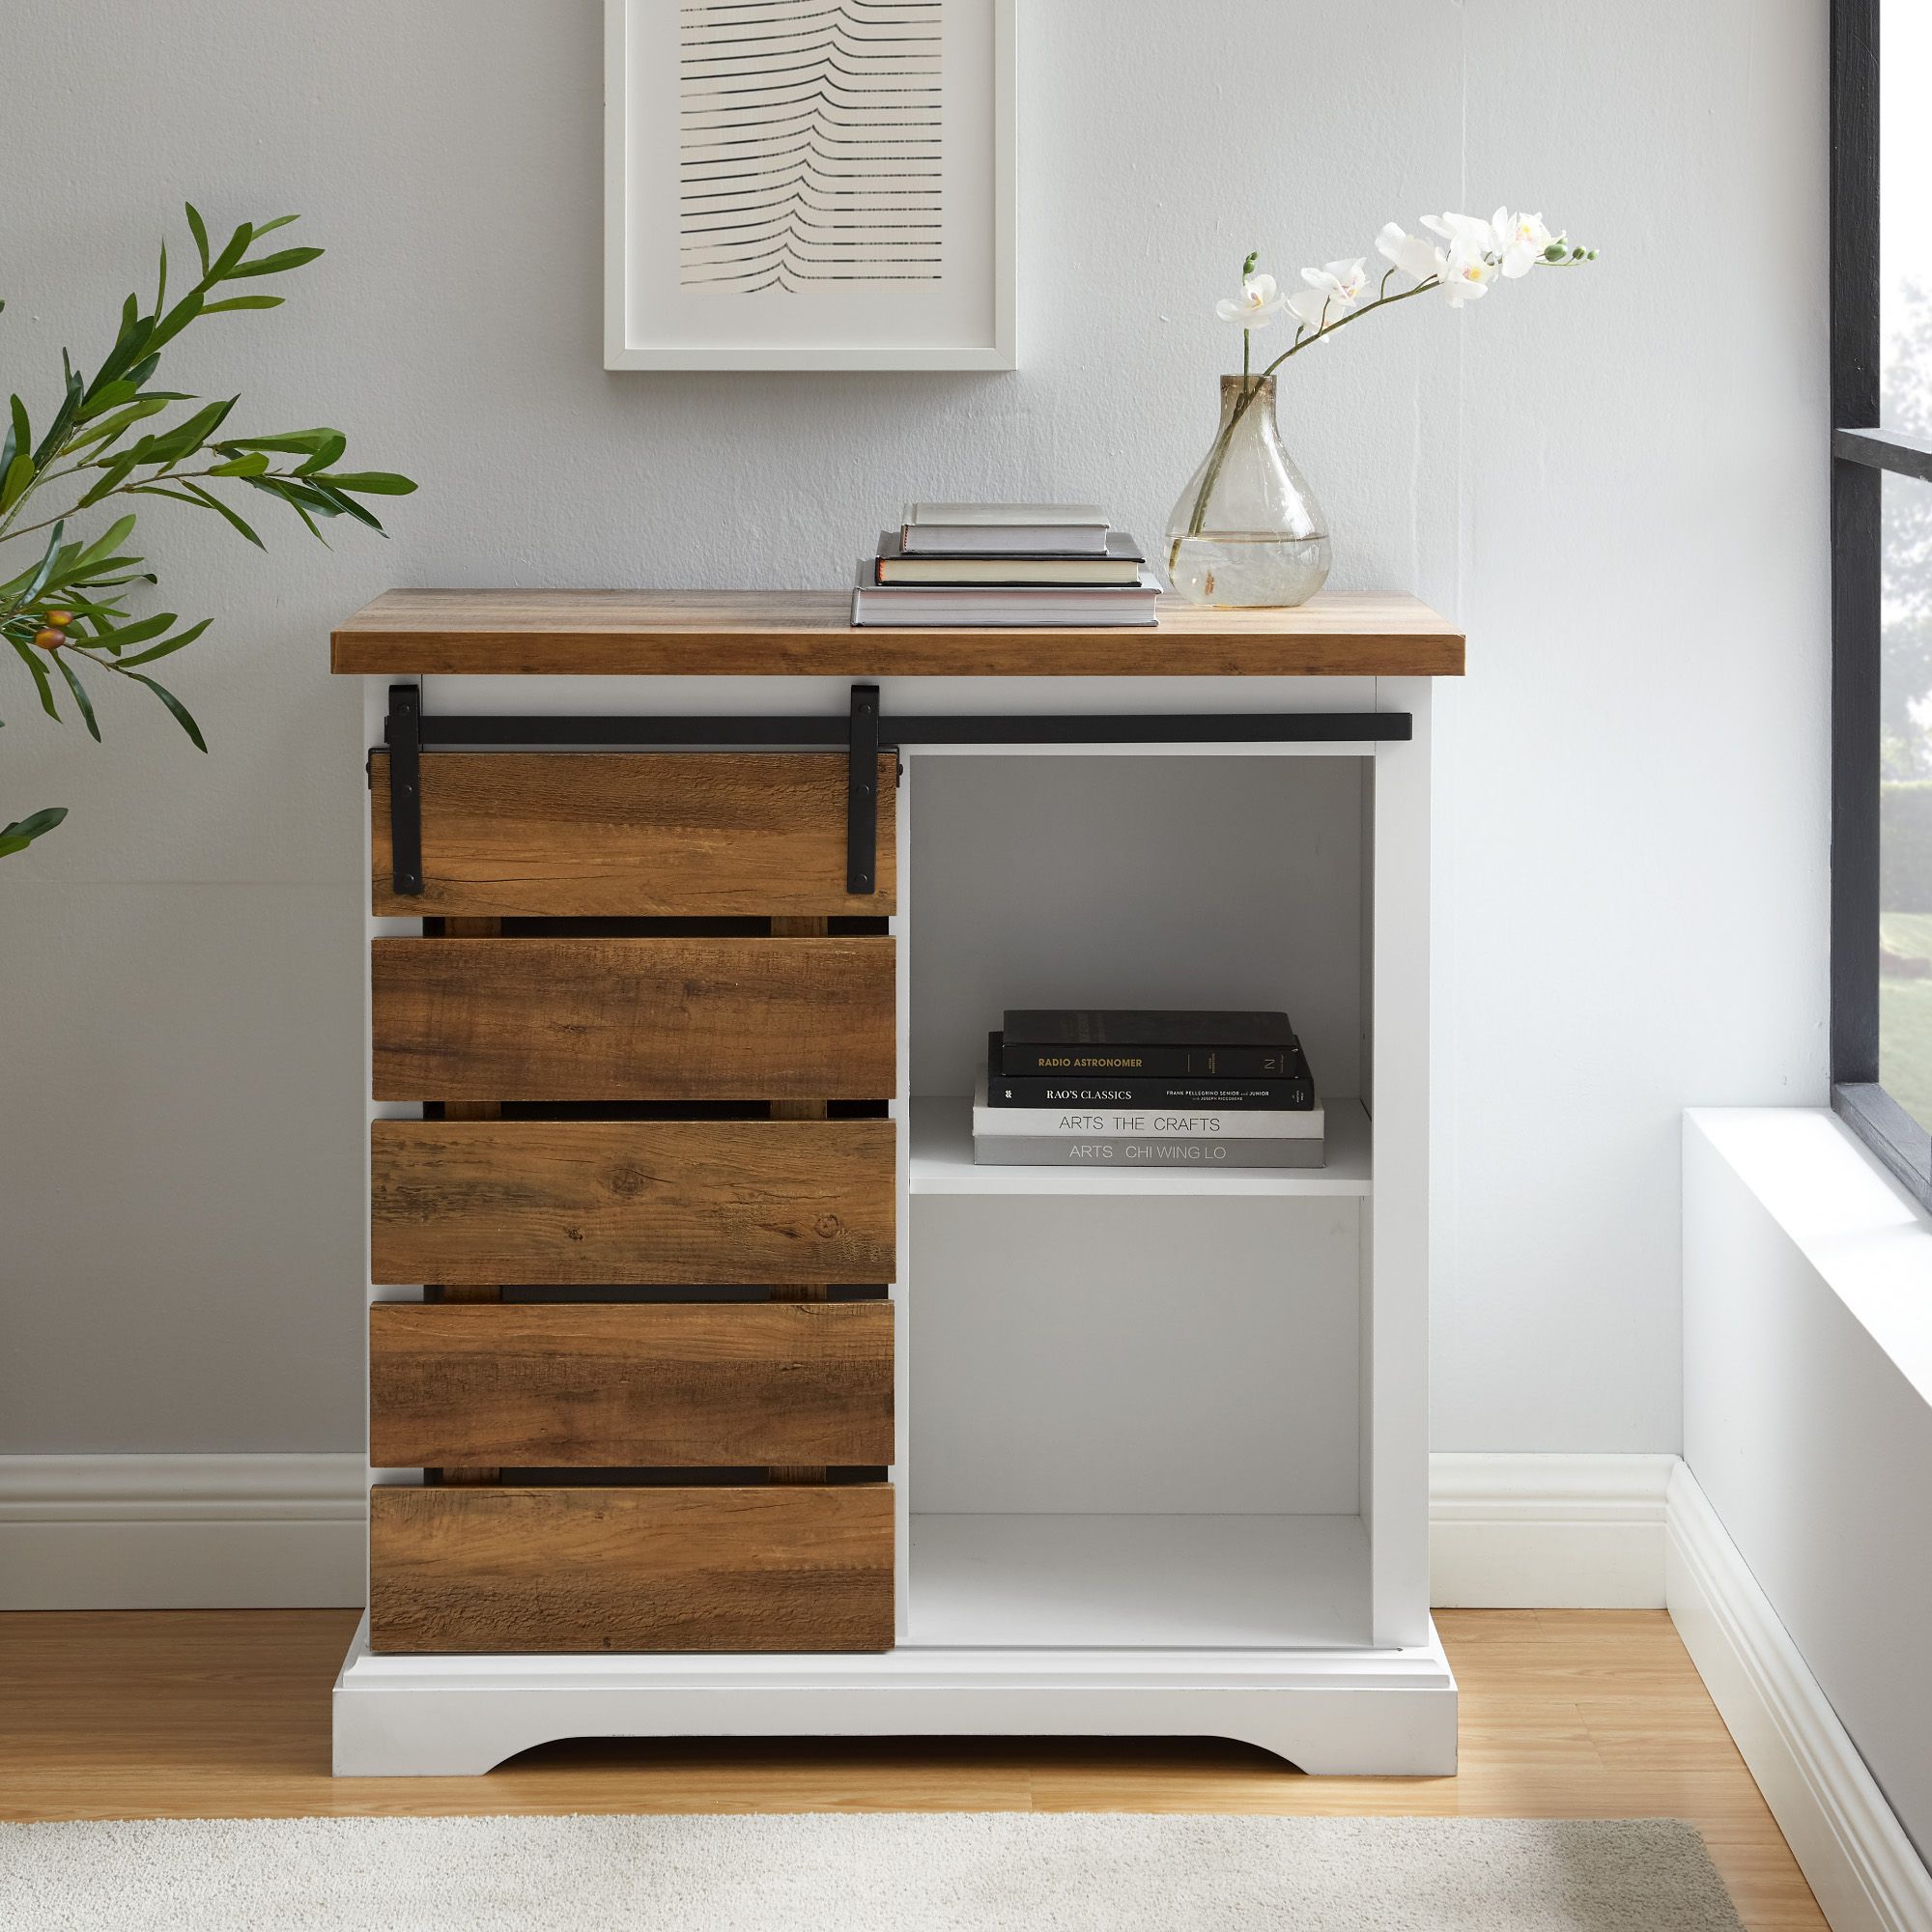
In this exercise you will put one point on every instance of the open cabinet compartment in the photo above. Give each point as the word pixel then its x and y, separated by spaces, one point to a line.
pixel 1136 1412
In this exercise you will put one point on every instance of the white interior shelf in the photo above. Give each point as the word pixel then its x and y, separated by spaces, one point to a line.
pixel 942 1163
pixel 1131 1580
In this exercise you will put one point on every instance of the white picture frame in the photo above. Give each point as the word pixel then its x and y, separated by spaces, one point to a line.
pixel 948 301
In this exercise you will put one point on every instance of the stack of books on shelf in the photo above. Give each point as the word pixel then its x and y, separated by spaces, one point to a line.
pixel 1066 1088
pixel 1011 565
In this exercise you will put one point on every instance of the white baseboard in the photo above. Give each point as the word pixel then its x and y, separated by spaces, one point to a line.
pixel 1546 1532
pixel 1506 1532
pixel 1860 1865
pixel 180 1532
pixel 254 1532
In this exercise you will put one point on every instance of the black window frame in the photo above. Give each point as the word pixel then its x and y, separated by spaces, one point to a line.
pixel 1861 453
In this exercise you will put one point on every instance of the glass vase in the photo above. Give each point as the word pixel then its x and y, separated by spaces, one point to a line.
pixel 1247 528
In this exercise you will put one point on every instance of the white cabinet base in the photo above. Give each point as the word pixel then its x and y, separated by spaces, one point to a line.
pixel 1332 1712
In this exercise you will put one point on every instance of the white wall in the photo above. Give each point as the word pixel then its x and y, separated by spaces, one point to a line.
pixel 1615 478
pixel 1808 1394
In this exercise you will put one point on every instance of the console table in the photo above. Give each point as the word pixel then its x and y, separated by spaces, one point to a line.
pixel 713 1389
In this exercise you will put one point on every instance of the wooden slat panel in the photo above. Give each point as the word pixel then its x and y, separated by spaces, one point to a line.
pixel 613 1385
pixel 631 1569
pixel 810 633
pixel 641 836
pixel 621 1202
pixel 633 1019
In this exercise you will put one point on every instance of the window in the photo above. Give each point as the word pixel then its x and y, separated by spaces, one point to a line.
pixel 1882 582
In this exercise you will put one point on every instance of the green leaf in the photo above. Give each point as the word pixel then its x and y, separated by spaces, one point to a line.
pixel 214 502
pixel 326 453
pixel 64 418
pixel 272 486
pixel 45 568
pixel 125 358
pixel 298 490
pixel 153 489
pixel 73 684
pixel 111 395
pixel 99 615
pixel 23 436
pixel 292 441
pixel 47 583
pixel 13 486
pixel 253 464
pixel 22 833
pixel 243 301
pixel 109 608
pixel 199 230
pixel 180 711
pixel 186 437
pixel 102 434
pixel 112 475
pixel 238 247
pixel 134 634
pixel 31 658
pixel 110 539
pixel 275 265
pixel 169 645
pixel 263 228
pixel 175 321
pixel 348 506
pixel 90 615
pixel 162 285
pixel 365 482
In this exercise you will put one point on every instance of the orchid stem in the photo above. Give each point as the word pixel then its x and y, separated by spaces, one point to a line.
pixel 1328 329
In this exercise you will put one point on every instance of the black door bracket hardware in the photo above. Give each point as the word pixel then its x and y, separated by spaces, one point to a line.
pixel 863 732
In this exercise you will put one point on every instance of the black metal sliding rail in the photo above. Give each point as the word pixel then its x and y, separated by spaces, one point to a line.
pixel 863 733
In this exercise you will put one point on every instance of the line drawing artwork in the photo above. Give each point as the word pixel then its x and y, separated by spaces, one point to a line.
pixel 810 148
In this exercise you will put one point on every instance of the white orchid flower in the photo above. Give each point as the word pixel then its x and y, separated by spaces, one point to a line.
pixel 1467 273
pixel 1410 253
pixel 1343 282
pixel 1331 293
pixel 1475 235
pixel 1260 301
pixel 1524 239
pixel 1315 307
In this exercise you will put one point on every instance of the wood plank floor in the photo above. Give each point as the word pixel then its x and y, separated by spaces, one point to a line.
pixel 225 1713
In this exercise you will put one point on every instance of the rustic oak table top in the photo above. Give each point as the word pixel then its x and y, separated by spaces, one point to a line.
pixel 808 632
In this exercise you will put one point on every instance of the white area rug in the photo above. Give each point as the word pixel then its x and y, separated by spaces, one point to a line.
pixel 907 1871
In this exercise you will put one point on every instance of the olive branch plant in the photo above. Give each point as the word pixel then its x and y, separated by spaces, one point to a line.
pixel 68 607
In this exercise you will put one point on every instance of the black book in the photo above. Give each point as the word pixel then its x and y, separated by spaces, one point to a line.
pixel 1168 1043
pixel 1294 1093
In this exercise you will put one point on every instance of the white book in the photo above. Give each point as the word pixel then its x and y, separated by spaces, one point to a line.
pixel 1004 530
pixel 1124 1156
pixel 1115 1123
pixel 998 515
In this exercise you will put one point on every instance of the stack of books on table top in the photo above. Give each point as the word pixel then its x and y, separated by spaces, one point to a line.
pixel 1012 564
pixel 1067 1088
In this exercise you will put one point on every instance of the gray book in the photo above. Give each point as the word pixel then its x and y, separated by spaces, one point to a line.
pixel 1147 1157
pixel 1121 564
pixel 1038 605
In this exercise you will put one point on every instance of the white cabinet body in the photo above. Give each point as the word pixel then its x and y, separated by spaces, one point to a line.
pixel 1162 1452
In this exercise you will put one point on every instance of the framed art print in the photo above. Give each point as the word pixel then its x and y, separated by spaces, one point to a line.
pixel 808 183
